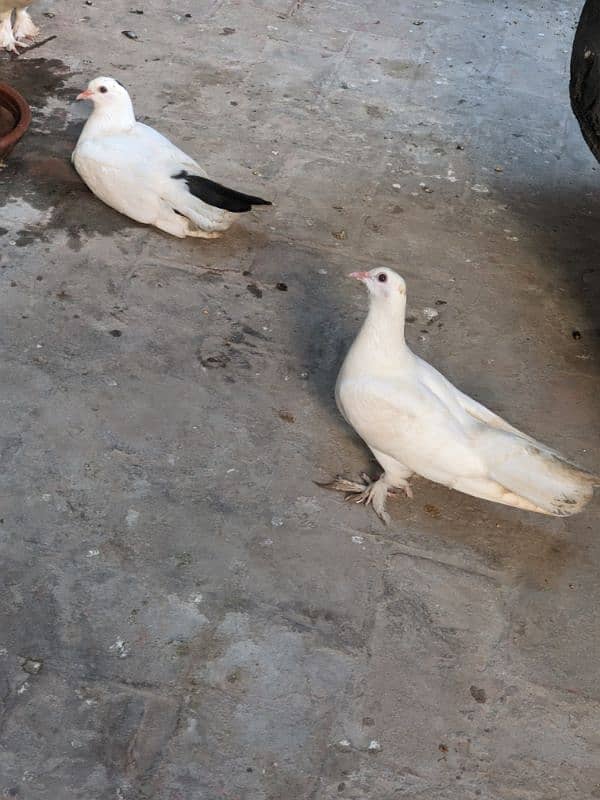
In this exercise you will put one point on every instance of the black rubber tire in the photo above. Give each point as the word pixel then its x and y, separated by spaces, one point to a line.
pixel 585 75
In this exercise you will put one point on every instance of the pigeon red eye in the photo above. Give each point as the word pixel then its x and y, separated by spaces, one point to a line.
pixel 103 89
pixel 382 277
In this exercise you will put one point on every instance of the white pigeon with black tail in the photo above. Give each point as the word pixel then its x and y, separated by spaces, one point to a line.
pixel 14 36
pixel 140 173
pixel 416 422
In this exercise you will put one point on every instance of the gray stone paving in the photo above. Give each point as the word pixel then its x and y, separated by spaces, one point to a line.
pixel 209 623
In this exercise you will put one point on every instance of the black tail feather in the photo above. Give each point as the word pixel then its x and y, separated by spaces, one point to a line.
pixel 214 194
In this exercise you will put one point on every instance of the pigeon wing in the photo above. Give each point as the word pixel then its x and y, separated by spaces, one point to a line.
pixel 113 173
pixel 410 424
pixel 131 172
pixel 217 195
pixel 461 403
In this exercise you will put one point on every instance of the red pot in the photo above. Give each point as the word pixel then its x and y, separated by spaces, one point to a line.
pixel 15 118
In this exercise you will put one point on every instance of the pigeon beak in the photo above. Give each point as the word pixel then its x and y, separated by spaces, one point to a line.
pixel 360 276
pixel 85 95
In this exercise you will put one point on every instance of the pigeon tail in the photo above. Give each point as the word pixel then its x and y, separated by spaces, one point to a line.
pixel 538 474
pixel 214 194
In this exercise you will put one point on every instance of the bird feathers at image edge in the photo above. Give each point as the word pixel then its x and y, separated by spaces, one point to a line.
pixel 416 422
pixel 12 37
pixel 140 173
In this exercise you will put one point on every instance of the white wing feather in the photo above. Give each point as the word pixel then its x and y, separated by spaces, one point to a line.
pixel 139 188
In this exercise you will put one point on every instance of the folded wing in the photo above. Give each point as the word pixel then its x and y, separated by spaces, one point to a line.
pixel 445 436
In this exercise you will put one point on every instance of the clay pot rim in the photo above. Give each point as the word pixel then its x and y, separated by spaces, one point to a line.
pixel 17 101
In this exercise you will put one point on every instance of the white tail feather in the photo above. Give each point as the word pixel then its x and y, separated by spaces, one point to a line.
pixel 535 473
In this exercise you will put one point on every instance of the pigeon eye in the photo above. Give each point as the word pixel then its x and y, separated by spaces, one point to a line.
pixel 103 89
pixel 382 277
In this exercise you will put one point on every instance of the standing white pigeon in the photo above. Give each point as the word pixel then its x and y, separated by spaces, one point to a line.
pixel 137 171
pixel 24 28
pixel 416 422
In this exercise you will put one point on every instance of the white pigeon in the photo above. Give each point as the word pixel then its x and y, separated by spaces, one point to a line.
pixel 416 422
pixel 11 37
pixel 137 171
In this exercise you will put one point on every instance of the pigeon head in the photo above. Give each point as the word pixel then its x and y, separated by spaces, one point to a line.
pixel 384 285
pixel 113 111
pixel 107 93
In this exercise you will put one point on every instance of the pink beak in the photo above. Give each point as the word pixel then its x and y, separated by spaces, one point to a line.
pixel 360 276
pixel 85 95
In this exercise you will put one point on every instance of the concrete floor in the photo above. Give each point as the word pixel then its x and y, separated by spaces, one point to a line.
pixel 184 614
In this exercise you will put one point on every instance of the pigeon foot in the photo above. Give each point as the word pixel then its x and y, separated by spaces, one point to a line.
pixel 11 46
pixel 341 484
pixel 25 27
pixel 373 493
pixel 7 39
pixel 200 234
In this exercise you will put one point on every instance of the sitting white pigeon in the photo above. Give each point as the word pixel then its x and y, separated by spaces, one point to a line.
pixel 137 171
pixel 416 421
pixel 23 29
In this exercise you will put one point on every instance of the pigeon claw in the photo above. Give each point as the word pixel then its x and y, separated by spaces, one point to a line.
pixel 25 28
pixel 341 484
pixel 383 516
pixel 407 490
pixel 375 495
pixel 200 234
pixel 370 493
pixel 10 44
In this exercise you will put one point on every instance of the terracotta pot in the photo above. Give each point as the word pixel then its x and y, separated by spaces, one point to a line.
pixel 15 117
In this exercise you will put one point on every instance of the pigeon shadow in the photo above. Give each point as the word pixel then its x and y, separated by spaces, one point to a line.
pixel 323 317
pixel 563 223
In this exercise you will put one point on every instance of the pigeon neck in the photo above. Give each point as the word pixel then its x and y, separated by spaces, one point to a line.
pixel 384 325
pixel 386 317
pixel 117 119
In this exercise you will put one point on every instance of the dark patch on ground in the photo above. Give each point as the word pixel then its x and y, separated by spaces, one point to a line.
pixel 286 416
pixel 253 289
pixel 478 695
pixel 217 360
pixel 37 78
pixel 396 68
pixel 563 223
pixel 252 332
pixel 374 111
